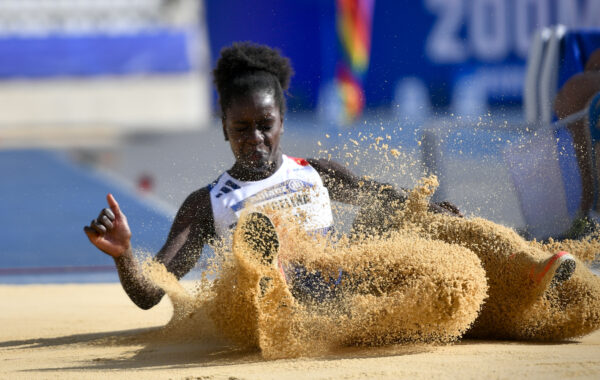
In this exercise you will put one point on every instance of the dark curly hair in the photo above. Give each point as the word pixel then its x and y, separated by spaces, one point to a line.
pixel 244 67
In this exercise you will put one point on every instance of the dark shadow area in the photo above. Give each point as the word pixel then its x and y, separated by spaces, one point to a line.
pixel 170 355
pixel 477 341
pixel 162 351
pixel 75 339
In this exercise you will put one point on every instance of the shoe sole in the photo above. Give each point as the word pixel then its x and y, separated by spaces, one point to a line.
pixel 564 271
pixel 260 235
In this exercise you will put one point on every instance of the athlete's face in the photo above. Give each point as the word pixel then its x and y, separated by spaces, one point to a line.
pixel 253 126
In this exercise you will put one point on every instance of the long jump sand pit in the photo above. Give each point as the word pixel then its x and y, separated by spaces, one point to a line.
pixel 92 331
pixel 408 299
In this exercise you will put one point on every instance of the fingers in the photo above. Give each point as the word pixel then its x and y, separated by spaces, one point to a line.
pixel 449 206
pixel 90 232
pixel 108 214
pixel 109 231
pixel 445 208
pixel 98 227
pixel 102 224
pixel 106 221
pixel 435 208
pixel 114 206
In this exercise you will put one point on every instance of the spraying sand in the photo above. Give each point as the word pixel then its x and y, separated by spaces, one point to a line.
pixel 430 279
pixel 406 293
pixel 514 309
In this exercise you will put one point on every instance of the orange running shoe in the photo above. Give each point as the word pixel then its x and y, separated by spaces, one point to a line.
pixel 551 272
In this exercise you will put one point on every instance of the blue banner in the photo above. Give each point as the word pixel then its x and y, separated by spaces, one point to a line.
pixel 157 51
pixel 448 47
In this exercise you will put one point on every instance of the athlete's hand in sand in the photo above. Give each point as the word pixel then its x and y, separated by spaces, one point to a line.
pixel 445 208
pixel 110 232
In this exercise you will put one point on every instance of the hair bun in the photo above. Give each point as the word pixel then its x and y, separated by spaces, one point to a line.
pixel 246 57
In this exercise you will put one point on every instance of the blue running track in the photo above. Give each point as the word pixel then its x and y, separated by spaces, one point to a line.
pixel 45 200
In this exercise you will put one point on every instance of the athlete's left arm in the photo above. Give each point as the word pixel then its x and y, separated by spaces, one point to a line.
pixel 346 187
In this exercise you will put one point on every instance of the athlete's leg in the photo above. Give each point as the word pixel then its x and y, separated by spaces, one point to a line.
pixel 255 307
pixel 524 281
pixel 401 287
pixel 510 261
pixel 409 288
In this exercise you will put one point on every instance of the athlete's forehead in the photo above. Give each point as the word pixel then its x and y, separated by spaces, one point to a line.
pixel 255 104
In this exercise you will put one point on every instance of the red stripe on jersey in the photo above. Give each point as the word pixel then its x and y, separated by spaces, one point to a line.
pixel 299 161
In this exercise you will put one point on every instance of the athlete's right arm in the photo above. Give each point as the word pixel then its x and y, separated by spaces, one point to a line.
pixel 192 228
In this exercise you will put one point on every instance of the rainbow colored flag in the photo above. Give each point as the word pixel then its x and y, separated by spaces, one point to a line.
pixel 350 92
pixel 354 24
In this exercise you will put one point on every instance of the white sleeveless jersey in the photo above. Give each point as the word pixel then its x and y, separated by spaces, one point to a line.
pixel 295 189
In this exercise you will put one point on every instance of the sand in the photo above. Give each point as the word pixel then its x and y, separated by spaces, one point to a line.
pixel 403 313
pixel 411 295
pixel 65 331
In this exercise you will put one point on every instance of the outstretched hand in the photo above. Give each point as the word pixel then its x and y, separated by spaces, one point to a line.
pixel 445 208
pixel 110 232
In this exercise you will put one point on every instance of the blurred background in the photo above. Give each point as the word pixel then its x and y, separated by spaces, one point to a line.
pixel 101 96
